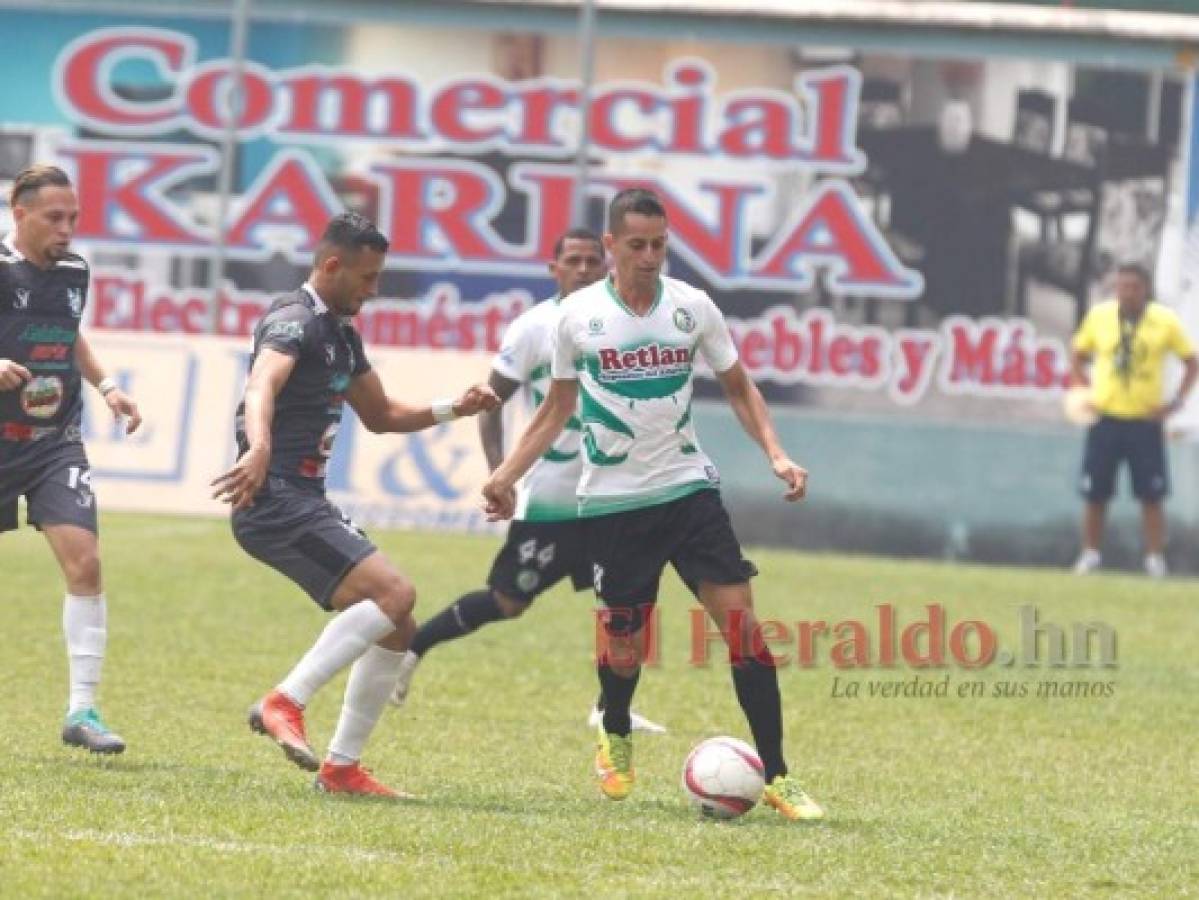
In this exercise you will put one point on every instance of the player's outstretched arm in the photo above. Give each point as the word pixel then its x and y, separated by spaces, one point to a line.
pixel 499 493
pixel 491 422
pixel 120 403
pixel 382 414
pixel 754 416
pixel 240 484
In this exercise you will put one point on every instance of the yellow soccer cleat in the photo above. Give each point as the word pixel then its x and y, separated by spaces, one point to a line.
pixel 792 802
pixel 614 764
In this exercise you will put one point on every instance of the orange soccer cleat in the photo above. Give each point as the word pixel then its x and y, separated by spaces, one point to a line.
pixel 282 719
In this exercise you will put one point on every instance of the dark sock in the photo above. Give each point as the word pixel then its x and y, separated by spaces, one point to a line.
pixel 757 686
pixel 616 693
pixel 461 617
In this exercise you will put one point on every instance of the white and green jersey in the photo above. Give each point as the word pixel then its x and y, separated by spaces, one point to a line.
pixel 635 384
pixel 547 492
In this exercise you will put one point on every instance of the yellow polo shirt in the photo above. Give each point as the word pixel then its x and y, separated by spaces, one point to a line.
pixel 1127 361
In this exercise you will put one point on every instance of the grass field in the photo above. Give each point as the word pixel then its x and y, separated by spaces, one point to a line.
pixel 978 797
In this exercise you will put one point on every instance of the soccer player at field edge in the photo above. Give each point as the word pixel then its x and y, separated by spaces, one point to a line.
pixel 1126 341
pixel 43 361
pixel 308 362
pixel 649 495
pixel 545 541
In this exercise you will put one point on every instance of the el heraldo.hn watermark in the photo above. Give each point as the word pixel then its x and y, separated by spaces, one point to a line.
pixel 1046 660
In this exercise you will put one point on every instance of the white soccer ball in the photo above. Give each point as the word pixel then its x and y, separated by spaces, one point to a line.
pixel 723 777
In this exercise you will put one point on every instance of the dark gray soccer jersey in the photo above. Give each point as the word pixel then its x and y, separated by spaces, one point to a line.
pixel 328 353
pixel 40 311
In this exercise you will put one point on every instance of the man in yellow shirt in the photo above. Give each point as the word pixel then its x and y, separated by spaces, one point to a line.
pixel 1126 341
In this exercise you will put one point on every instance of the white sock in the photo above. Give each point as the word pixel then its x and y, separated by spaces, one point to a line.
pixel 344 639
pixel 85 624
pixel 371 682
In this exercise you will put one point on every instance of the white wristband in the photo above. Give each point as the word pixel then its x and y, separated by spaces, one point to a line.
pixel 443 411
pixel 106 386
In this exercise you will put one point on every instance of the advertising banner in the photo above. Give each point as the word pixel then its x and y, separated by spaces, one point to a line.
pixel 892 234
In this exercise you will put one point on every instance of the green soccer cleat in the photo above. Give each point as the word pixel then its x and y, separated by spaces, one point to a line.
pixel 614 764
pixel 86 729
pixel 792 802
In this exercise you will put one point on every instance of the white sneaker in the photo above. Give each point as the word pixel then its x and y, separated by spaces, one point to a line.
pixel 638 721
pixel 1088 562
pixel 1155 566
pixel 404 682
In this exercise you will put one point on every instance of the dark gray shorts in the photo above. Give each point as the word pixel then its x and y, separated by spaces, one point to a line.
pixel 299 533
pixel 57 490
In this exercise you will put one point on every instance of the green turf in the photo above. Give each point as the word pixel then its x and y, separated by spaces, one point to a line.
pixel 967 797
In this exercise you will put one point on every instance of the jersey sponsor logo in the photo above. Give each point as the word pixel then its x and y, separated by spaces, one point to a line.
pixel 47 334
pixel 651 360
pixel 49 352
pixel 22 298
pixel 17 431
pixel 42 396
pixel 684 321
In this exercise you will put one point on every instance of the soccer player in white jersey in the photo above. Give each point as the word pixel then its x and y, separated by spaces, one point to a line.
pixel 624 351
pixel 545 540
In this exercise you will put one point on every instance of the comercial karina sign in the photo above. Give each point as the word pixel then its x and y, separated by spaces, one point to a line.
pixel 439 206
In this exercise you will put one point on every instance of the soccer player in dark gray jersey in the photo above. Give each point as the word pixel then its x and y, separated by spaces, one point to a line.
pixel 328 354
pixel 308 362
pixel 43 362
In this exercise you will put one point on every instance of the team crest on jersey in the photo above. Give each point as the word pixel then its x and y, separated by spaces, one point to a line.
pixel 684 321
pixel 42 396
pixel 75 301
pixel 596 325
pixel 22 298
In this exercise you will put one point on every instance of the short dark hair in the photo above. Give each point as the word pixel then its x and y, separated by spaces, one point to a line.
pixel 577 234
pixel 350 231
pixel 641 201
pixel 32 179
pixel 1138 269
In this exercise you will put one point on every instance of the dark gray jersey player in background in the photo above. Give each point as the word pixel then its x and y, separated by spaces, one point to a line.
pixel 44 361
pixel 308 363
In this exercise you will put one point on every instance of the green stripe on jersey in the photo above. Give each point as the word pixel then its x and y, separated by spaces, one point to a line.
pixel 590 507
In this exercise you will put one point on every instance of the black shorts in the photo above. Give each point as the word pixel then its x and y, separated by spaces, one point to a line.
pixel 629 550
pixel 57 490
pixel 537 555
pixel 301 534
pixel 1141 443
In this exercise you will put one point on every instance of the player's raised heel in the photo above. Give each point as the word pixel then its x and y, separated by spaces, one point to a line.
pixel 85 729
pixel 282 720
